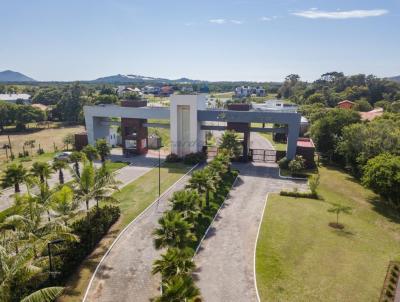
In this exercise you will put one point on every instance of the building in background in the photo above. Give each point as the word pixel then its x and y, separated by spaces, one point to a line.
pixel 346 104
pixel 16 98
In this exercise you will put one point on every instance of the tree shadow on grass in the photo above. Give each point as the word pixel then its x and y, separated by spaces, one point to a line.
pixel 385 209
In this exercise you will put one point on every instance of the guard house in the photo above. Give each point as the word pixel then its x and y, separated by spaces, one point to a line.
pixel 188 120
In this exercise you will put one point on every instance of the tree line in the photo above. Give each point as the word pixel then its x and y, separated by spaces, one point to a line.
pixel 366 91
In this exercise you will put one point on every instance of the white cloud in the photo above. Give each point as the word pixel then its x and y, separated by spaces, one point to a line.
pixel 317 14
pixel 217 21
pixel 268 18
pixel 238 22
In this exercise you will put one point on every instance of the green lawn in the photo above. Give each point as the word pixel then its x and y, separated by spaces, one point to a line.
pixel 278 146
pixel 134 198
pixel 28 161
pixel 114 166
pixel 300 258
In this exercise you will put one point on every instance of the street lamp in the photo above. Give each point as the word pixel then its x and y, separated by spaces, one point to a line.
pixel 51 272
pixel 159 165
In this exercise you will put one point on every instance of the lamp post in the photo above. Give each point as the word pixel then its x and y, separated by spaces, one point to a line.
pixel 159 166
pixel 51 272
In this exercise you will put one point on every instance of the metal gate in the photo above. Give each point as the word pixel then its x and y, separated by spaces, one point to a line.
pixel 264 155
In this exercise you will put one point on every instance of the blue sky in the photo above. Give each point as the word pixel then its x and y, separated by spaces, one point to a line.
pixel 261 40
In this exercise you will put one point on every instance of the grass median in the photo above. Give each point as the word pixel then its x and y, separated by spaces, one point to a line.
pixel 300 258
pixel 134 198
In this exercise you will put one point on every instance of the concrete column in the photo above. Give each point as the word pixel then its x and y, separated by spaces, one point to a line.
pixel 101 129
pixel 293 135
pixel 89 128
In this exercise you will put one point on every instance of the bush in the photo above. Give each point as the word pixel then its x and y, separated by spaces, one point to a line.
pixel 297 164
pixel 298 194
pixel 25 153
pixel 40 151
pixel 313 183
pixel 194 158
pixel 90 230
pixel 284 163
pixel 172 158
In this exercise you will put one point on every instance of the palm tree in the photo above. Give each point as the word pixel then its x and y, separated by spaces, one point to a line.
pixel 174 262
pixel 94 184
pixel 14 175
pixel 180 288
pixel 230 142
pixel 174 231
pixel 63 204
pixel 203 182
pixel 41 170
pixel 102 149
pixel 90 152
pixel 22 266
pixel 59 165
pixel 76 157
pixel 186 202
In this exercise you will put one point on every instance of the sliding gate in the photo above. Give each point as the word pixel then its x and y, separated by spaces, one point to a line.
pixel 263 155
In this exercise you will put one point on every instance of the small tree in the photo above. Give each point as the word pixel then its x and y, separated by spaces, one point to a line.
pixel 230 142
pixel 90 152
pixel 69 139
pixel 41 170
pixel 103 149
pixel 339 209
pixel 313 183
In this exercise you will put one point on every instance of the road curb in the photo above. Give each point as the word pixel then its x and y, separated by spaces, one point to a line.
pixel 126 228
pixel 291 177
pixel 255 248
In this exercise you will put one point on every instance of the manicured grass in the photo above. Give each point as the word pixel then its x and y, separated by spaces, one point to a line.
pixel 28 161
pixel 277 145
pixel 300 258
pixel 134 198
pixel 114 166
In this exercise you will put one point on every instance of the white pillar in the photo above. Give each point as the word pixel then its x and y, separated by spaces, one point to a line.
pixel 186 135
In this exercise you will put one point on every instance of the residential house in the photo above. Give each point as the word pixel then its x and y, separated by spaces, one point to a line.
pixel 16 98
pixel 346 104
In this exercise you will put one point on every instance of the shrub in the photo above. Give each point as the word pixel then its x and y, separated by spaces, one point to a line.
pixel 172 158
pixel 283 163
pixel 90 230
pixel 40 151
pixel 297 164
pixel 194 158
pixel 298 194
pixel 313 183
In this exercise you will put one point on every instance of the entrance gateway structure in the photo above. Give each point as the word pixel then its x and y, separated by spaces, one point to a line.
pixel 189 118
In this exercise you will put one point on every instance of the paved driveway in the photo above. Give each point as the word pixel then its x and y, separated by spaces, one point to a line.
pixel 226 257
pixel 125 275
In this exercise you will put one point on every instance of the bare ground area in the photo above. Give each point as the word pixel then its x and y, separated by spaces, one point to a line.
pixel 46 137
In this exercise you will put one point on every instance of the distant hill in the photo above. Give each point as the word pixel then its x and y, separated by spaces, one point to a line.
pixel 133 78
pixel 396 79
pixel 13 76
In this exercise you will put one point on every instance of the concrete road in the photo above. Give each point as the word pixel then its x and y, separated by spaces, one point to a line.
pixel 125 275
pixel 226 257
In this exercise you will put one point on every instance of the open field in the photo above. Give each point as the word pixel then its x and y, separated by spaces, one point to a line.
pixel 45 137
pixel 134 198
pixel 300 258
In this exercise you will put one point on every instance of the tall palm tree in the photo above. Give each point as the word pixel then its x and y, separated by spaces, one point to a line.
pixel 59 165
pixel 103 149
pixel 14 175
pixel 41 170
pixel 90 152
pixel 174 231
pixel 174 262
pixel 180 288
pixel 203 181
pixel 76 157
pixel 22 265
